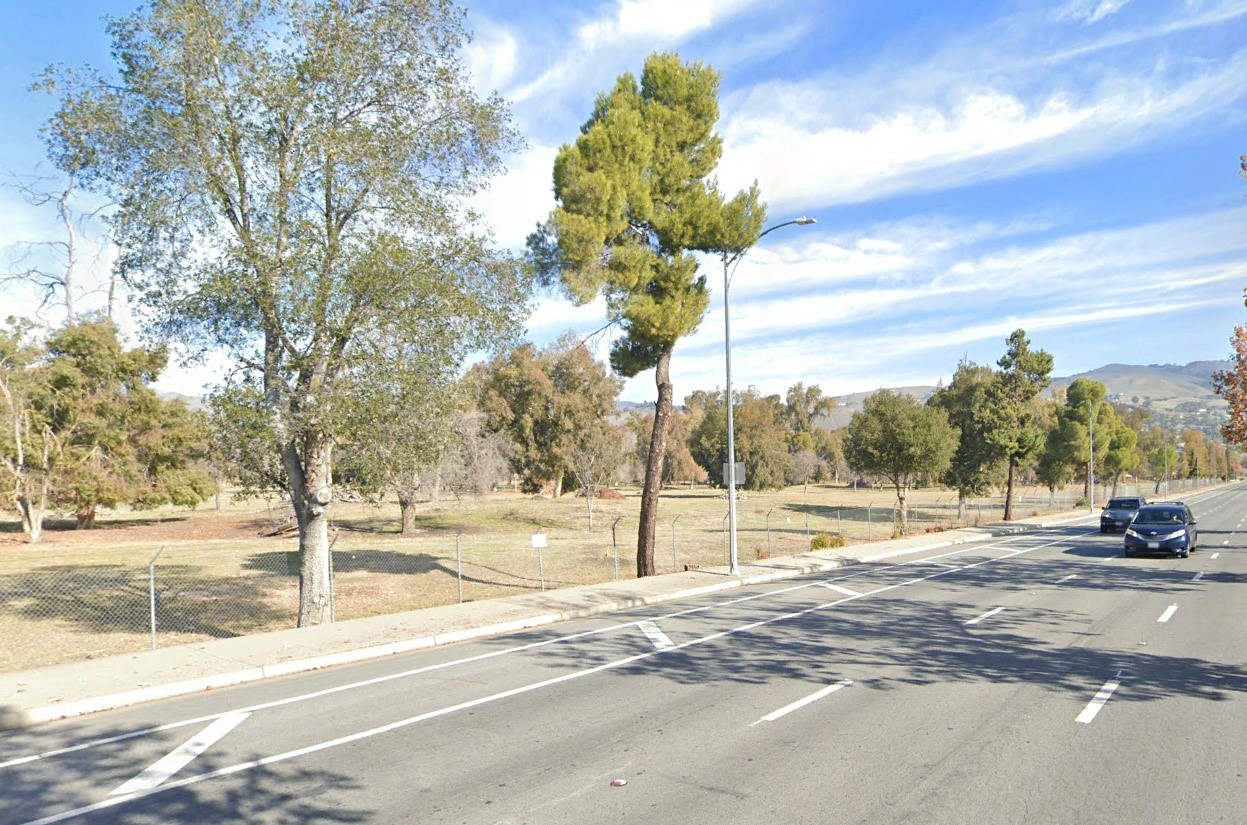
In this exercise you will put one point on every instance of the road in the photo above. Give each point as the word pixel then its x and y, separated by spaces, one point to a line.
pixel 1040 678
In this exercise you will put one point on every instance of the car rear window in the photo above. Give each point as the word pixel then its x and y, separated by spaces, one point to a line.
pixel 1123 504
pixel 1165 515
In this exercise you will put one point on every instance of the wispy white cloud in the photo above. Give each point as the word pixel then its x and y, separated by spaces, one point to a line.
pixel 611 42
pixel 1090 11
pixel 793 140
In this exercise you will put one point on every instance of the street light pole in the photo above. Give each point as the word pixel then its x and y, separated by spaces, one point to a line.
pixel 729 264
pixel 1091 464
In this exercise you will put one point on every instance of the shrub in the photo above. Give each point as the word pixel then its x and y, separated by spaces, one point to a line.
pixel 822 541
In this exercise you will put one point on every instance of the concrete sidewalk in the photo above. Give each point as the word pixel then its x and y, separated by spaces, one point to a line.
pixel 61 691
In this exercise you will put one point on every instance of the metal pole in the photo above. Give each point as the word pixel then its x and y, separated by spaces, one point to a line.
pixel 731 428
pixel 1091 462
pixel 151 592
pixel 541 570
pixel 674 564
pixel 728 263
pixel 615 547
pixel 459 565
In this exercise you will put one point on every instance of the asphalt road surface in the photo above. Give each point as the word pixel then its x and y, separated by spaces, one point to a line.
pixel 1040 678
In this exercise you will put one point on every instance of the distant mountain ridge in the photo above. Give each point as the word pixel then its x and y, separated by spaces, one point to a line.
pixel 1176 394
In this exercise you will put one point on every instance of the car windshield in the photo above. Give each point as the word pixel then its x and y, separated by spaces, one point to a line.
pixel 1167 515
pixel 1123 504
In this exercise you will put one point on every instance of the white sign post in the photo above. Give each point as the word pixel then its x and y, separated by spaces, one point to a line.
pixel 539 541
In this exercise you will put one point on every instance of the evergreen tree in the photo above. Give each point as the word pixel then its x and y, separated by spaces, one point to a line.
pixel 635 199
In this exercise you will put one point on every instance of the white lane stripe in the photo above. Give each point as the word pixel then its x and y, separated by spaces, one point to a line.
pixel 160 771
pixel 1093 707
pixel 290 700
pixel 506 694
pixel 839 589
pixel 1225 543
pixel 1214 555
pixel 1067 578
pixel 660 639
pixel 1168 614
pixel 1198 576
pixel 986 615
pixel 800 703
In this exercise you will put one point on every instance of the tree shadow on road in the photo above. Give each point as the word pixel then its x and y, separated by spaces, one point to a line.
pixel 284 793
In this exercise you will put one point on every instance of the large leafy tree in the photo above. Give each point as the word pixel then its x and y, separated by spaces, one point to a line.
pixel 1011 417
pixel 86 431
pixel 761 438
pixel 977 464
pixel 290 177
pixel 551 403
pixel 901 439
pixel 1231 385
pixel 29 449
pixel 635 198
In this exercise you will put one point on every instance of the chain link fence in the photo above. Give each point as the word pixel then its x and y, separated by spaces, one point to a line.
pixel 124 599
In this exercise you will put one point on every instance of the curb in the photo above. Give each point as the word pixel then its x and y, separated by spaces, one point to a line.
pixel 803 564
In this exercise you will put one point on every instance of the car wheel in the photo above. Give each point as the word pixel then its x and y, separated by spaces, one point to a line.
pixel 1103 529
pixel 1127 553
pixel 1184 554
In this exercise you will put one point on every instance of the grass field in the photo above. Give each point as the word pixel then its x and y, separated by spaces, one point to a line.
pixel 214 573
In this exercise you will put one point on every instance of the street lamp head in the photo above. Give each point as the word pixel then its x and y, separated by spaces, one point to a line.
pixel 804 221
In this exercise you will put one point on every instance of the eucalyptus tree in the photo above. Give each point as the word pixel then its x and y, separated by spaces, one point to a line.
pixel 635 198
pixel 290 179
pixel 551 403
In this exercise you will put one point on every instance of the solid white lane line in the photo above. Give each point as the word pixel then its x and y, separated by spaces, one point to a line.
pixel 160 772
pixel 660 639
pixel 800 703
pixel 290 700
pixel 986 615
pixel 1168 614
pixel 506 694
pixel 1067 578
pixel 1093 707
pixel 839 589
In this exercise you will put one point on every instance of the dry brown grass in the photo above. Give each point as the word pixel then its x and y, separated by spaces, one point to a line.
pixel 84 594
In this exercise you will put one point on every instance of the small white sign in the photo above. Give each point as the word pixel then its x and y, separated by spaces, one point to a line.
pixel 539 540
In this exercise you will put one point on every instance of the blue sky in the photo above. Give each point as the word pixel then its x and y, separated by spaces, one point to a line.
pixel 1067 167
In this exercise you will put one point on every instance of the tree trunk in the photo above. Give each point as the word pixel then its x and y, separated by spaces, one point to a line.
pixel 32 518
pixel 310 476
pixel 902 491
pixel 654 465
pixel 86 517
pixel 961 506
pixel 407 507
pixel 1009 489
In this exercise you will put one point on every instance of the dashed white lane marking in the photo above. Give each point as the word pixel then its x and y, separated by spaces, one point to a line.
pixel 800 703
pixel 1198 576
pixel 840 589
pixel 1225 543
pixel 986 615
pixel 660 639
pixel 159 772
pixel 1214 555
pixel 1101 697
pixel 1067 578
pixel 1168 614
